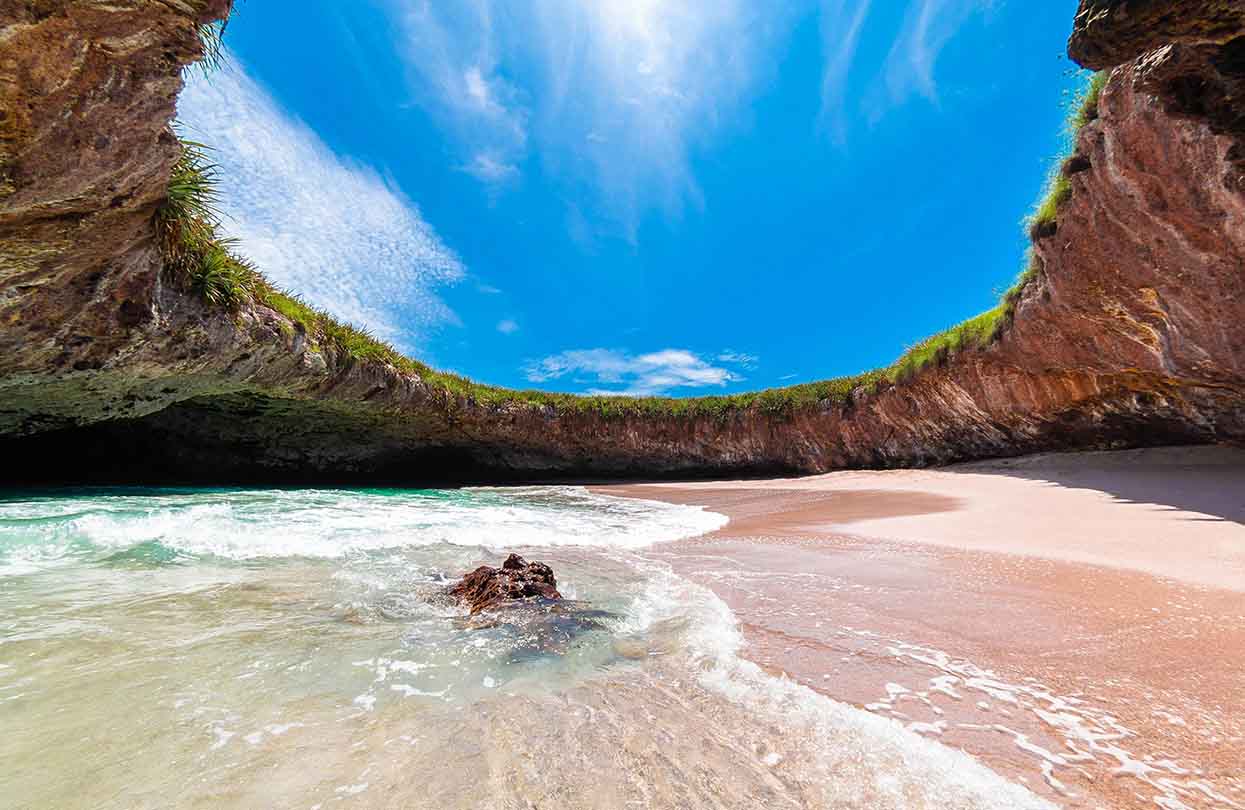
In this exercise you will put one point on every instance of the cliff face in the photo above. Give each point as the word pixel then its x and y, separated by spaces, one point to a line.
pixel 1133 331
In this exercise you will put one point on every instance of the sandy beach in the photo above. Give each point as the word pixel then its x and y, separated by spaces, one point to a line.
pixel 1076 621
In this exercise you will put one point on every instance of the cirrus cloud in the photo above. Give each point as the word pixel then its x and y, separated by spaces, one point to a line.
pixel 929 25
pixel 612 93
pixel 335 232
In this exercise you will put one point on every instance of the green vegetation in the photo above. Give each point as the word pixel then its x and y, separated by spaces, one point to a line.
pixel 1059 187
pixel 1045 214
pixel 981 330
pixel 212 36
pixel 977 332
pixel 201 260
pixel 1087 110
pixel 197 257
pixel 194 254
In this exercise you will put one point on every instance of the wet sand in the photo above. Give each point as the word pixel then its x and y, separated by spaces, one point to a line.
pixel 1077 622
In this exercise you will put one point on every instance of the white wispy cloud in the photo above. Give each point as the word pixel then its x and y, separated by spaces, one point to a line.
pixel 841 24
pixel 928 26
pixel 616 95
pixel 612 92
pixel 628 374
pixel 507 327
pixel 491 167
pixel 741 359
pixel 452 50
pixel 335 232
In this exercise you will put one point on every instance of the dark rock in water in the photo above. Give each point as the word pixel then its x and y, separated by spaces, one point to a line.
pixel 521 603
pixel 488 588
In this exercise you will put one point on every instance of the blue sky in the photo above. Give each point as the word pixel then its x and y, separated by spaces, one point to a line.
pixel 641 196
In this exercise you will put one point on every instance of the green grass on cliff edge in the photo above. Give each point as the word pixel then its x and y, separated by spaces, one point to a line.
pixel 1059 187
pixel 982 330
pixel 204 262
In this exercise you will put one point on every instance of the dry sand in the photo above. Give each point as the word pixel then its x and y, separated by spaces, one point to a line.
pixel 1075 621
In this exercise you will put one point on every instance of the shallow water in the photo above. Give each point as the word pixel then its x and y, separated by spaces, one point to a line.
pixel 286 648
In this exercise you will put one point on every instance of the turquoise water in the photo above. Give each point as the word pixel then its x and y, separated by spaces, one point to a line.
pixel 290 648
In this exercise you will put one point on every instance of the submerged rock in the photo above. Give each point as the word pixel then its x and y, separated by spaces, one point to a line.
pixel 488 588
pixel 533 629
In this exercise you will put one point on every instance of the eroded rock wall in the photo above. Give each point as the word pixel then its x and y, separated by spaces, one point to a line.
pixel 1133 332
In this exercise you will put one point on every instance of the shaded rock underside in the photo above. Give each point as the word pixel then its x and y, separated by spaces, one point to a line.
pixel 1131 333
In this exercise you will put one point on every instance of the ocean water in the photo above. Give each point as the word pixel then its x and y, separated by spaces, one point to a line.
pixel 288 648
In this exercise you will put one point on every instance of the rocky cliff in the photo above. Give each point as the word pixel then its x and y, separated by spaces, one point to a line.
pixel 1131 332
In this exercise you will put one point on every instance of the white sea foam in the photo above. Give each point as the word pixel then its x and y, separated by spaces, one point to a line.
pixel 855 747
pixel 244 525
pixel 15 562
pixel 360 650
pixel 1088 732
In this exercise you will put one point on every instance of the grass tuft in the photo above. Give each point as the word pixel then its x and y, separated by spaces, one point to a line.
pixel 212 38
pixel 1045 217
pixel 1043 221
pixel 1087 111
pixel 976 332
pixel 195 255
pixel 221 277
pixel 192 196
pixel 982 330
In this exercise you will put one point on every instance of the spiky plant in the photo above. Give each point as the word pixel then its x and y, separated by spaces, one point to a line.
pixel 189 215
pixel 218 275
pixel 194 253
pixel 212 37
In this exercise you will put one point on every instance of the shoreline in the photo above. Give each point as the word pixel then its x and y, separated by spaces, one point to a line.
pixel 1074 621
